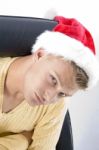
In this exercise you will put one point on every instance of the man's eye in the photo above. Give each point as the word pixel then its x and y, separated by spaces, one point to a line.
pixel 53 80
pixel 61 94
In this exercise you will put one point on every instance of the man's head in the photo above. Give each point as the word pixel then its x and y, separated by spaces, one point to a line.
pixel 74 42
pixel 69 65
pixel 52 78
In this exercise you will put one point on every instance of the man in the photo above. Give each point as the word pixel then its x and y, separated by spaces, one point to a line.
pixel 33 88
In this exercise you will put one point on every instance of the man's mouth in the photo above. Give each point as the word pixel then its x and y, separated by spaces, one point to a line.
pixel 38 99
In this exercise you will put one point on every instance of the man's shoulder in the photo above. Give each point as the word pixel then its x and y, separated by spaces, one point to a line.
pixel 2 59
pixel 5 60
pixel 5 63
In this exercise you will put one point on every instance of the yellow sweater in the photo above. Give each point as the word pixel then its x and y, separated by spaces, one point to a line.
pixel 45 120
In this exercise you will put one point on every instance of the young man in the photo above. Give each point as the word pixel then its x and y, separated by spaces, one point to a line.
pixel 34 89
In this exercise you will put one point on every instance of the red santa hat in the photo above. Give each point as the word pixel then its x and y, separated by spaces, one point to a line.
pixel 72 40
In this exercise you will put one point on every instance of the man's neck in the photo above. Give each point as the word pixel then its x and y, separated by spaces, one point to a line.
pixel 15 76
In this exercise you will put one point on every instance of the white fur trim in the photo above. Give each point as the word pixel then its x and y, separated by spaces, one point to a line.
pixel 71 49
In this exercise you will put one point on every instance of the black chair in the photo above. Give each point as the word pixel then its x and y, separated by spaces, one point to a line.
pixel 17 35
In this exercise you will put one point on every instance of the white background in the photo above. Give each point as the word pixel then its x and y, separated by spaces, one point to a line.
pixel 84 106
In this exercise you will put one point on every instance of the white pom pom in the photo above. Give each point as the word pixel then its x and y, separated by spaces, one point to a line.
pixel 50 14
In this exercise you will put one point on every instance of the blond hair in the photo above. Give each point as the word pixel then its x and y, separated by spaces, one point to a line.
pixel 81 76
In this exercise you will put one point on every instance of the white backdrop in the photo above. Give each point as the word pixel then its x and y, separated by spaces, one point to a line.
pixel 84 106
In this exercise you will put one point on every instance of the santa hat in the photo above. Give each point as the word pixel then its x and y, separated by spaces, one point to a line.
pixel 72 40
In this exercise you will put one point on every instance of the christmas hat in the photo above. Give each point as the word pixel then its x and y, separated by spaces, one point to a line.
pixel 72 40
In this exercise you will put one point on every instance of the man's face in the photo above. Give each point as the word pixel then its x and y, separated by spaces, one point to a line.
pixel 47 80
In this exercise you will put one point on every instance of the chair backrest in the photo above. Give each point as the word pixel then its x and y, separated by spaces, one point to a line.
pixel 17 35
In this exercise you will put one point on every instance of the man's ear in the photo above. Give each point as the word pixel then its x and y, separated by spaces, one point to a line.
pixel 39 53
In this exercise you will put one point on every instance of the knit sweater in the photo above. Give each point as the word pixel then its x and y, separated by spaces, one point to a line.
pixel 45 121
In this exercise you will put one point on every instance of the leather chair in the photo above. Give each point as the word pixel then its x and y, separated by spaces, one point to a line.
pixel 17 35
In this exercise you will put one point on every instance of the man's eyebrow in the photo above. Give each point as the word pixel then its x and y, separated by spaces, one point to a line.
pixel 58 78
